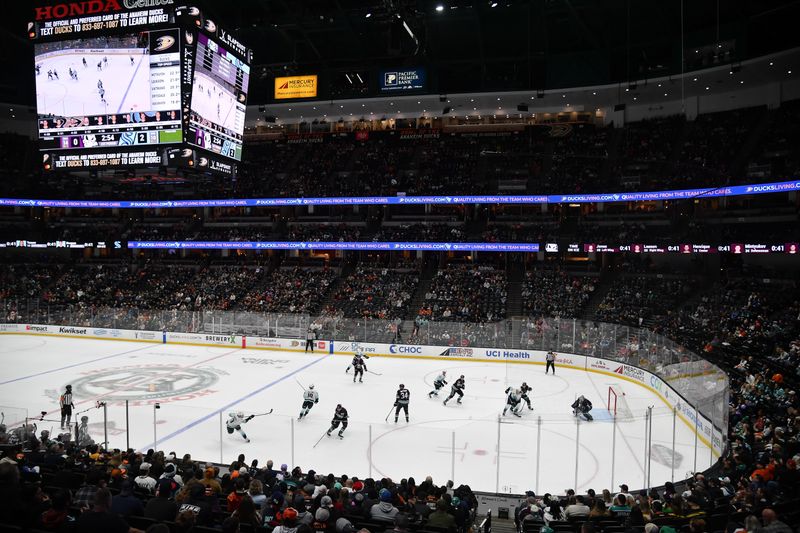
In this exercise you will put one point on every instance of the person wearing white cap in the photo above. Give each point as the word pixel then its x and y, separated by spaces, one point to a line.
pixel 143 480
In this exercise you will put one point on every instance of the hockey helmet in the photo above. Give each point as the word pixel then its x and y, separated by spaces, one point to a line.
pixel 444 372
pixel 462 376
pixel 402 386
pixel 338 406
pixel 69 387
pixel 84 418
pixel 240 414
pixel 311 386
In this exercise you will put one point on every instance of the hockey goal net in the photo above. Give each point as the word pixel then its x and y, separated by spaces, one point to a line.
pixel 617 404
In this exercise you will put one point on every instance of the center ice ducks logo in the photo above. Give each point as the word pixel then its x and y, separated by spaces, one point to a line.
pixel 165 42
pixel 146 382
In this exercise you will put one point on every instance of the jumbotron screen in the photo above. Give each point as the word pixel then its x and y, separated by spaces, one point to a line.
pixel 219 98
pixel 109 91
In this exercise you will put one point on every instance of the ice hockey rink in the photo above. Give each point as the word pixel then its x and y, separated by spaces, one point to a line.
pixel 215 103
pixel 126 84
pixel 197 386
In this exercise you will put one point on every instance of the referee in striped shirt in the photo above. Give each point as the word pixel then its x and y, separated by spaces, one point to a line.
pixel 66 407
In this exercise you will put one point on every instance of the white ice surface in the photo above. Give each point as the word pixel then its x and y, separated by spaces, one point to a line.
pixel 127 86
pixel 215 103
pixel 196 384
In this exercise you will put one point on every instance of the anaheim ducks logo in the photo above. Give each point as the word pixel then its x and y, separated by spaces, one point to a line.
pixel 145 382
pixel 560 130
pixel 165 42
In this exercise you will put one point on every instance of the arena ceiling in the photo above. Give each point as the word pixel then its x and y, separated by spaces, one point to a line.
pixel 473 45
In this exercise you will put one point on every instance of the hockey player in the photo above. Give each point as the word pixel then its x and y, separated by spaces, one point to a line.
pixel 359 354
pixel 84 62
pixel 581 407
pixel 339 417
pixel 65 401
pixel 438 383
pixel 456 388
pixel 359 366
pixel 235 422
pixel 551 362
pixel 525 389
pixel 401 401
pixel 513 400
pixel 310 397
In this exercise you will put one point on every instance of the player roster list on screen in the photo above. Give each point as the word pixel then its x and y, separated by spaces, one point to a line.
pixel 219 97
pixel 109 91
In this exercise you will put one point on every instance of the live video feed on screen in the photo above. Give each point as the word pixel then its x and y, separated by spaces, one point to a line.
pixel 109 91
pixel 219 96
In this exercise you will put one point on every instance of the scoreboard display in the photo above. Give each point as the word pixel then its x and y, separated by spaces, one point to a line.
pixel 219 95
pixel 118 86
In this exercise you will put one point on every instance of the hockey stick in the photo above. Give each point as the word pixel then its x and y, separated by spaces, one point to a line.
pixel 320 439
pixel 301 385
pixel 389 414
pixel 371 372
pixel 264 414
